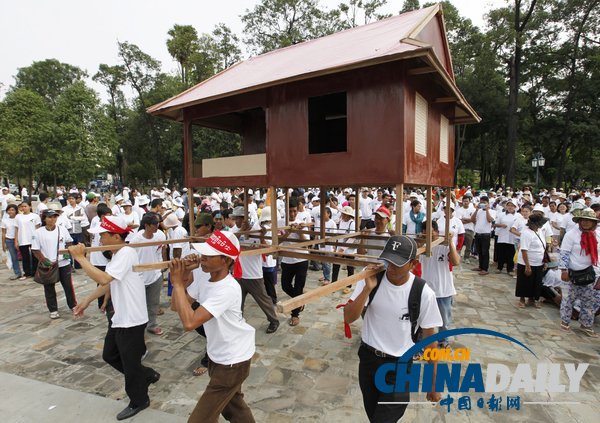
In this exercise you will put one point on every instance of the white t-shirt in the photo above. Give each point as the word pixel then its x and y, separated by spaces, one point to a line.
pixel 365 208
pixel 482 226
pixel 504 234
pixel 346 227
pixel 178 232
pixel 127 290
pixel 26 224
pixel 131 219
pixel 571 244
pixel 294 235
pixel 117 210
pixel 229 338
pixel 151 254
pixel 10 225
pixel 519 224
pixel 40 208
pixel 436 271
pixel 534 246
pixel 46 242
pixel 77 217
pixel 456 227
pixel 410 225
pixel 251 265
pixel 304 216
pixel 462 213
pixel 567 223
pixel 386 326
pixel 330 226
pixel 554 219
pixel 96 257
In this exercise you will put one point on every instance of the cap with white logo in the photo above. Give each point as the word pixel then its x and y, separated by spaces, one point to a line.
pixel 399 250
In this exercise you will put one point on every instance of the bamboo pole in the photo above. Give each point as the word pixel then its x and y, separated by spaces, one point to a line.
pixel 329 259
pixel 448 213
pixel 274 223
pixel 191 210
pixel 429 218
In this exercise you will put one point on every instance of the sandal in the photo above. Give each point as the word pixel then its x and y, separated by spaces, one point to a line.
pixel 537 304
pixel 199 371
pixel 294 321
pixel 521 304
pixel 589 332
pixel 564 327
pixel 156 331
pixel 325 282
pixel 321 279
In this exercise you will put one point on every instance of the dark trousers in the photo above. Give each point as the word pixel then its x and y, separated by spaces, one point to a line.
pixel 202 332
pixel 123 350
pixel 293 278
pixel 506 255
pixel 482 244
pixel 270 279
pixel 30 262
pixel 65 280
pixel 223 395
pixel 256 288
pixel 77 238
pixel 379 413
pixel 336 271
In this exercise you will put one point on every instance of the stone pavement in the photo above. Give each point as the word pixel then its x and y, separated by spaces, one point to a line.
pixel 306 373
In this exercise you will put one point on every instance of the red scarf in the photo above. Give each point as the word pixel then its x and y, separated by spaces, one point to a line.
pixel 589 245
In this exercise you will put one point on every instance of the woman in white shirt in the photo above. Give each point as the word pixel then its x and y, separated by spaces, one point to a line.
pixel 27 223
pixel 46 243
pixel 530 265
pixel 9 241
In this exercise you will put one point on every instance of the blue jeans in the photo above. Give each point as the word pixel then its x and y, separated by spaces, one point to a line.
pixel 10 245
pixel 445 306
pixel 327 271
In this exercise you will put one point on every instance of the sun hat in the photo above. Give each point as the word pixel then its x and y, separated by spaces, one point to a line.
pixel 171 221
pixel 222 244
pixel 143 200
pixel 586 213
pixel 399 250
pixel 238 212
pixel 384 212
pixel 178 202
pixel 265 214
pixel 348 210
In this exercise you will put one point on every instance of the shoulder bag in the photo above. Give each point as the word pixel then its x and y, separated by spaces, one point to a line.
pixel 49 275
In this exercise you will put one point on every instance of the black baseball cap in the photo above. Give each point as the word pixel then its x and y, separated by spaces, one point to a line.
pixel 399 250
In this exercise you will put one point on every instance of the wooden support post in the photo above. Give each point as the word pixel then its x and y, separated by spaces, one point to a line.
pixel 245 204
pixel 323 197
pixel 448 213
pixel 429 218
pixel 357 209
pixel 274 224
pixel 287 206
pixel 399 208
pixel 191 210
pixel 312 296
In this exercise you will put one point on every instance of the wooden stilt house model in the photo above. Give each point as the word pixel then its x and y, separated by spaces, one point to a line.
pixel 373 105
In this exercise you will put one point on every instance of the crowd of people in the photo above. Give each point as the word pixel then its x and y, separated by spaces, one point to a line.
pixel 546 240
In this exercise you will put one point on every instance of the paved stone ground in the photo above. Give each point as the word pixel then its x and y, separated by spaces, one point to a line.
pixel 306 373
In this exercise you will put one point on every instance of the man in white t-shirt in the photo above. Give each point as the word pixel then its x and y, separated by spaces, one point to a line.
pixel 464 213
pixel 386 332
pixel 153 279
pixel 437 272
pixel 230 340
pixel 252 281
pixel 124 343
pixel 3 201
pixel 294 270
pixel 45 244
pixel 483 218
pixel 364 204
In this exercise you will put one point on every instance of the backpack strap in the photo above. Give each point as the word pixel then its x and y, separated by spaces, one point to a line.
pixel 414 307
pixel 373 292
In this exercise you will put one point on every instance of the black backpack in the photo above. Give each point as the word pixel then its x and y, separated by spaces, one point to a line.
pixel 414 303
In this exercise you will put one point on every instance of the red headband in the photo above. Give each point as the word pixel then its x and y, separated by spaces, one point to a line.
pixel 113 228
pixel 223 245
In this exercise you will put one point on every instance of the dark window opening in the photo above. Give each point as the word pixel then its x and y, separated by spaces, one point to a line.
pixel 327 124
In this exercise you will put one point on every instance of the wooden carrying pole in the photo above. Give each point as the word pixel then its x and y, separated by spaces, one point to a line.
pixel 139 245
pixel 315 294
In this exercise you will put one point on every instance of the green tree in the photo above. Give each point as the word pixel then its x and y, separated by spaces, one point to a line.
pixel 182 45
pixel 26 126
pixel 49 78
pixel 85 136
pixel 273 24
pixel 113 78
pixel 360 12
pixel 409 5
pixel 226 47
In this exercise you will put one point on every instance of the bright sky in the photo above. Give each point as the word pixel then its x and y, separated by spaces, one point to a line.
pixel 85 33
